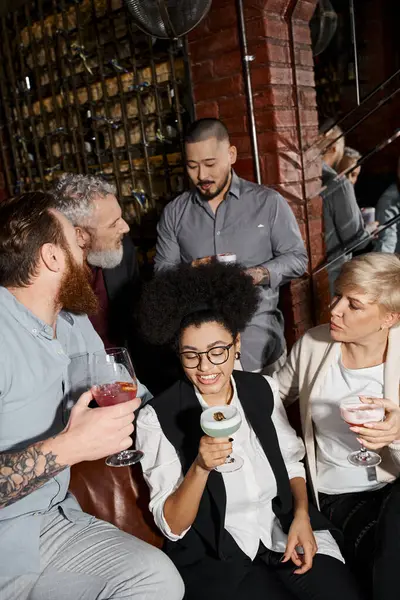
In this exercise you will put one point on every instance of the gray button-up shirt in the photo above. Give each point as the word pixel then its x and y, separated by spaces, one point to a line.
pixel 34 390
pixel 388 207
pixel 343 220
pixel 255 223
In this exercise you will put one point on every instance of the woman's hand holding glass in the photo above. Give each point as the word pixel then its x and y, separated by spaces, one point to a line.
pixel 218 422
pixel 378 435
pixel 213 452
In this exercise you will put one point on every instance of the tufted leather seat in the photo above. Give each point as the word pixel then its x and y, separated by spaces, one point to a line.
pixel 117 495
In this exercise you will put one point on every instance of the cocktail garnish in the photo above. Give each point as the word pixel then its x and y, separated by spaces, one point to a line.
pixel 219 416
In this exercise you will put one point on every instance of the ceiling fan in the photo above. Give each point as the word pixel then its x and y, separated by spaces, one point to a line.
pixel 167 19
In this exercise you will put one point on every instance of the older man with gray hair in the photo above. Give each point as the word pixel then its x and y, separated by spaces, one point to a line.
pixel 91 205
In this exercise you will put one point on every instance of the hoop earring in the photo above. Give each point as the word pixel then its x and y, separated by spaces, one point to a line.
pixel 237 355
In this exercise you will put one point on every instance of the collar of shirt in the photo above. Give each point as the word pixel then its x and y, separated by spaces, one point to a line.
pixel 204 404
pixel 329 169
pixel 26 318
pixel 334 181
pixel 234 190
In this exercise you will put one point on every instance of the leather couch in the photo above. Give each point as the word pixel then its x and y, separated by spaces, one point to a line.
pixel 117 495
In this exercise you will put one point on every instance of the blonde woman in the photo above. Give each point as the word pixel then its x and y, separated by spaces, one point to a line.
pixel 356 355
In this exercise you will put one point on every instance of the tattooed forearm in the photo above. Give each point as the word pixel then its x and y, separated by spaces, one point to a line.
pixel 260 275
pixel 21 473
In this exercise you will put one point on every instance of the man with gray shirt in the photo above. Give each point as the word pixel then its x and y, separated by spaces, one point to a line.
pixel 226 214
pixel 387 208
pixel 343 221
pixel 49 547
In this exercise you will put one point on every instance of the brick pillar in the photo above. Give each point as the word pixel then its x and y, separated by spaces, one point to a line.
pixel 285 112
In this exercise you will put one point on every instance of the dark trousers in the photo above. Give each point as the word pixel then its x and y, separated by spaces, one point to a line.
pixel 266 578
pixel 370 522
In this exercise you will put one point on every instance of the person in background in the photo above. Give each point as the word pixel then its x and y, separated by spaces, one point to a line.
pixel 343 221
pixel 247 533
pixel 91 205
pixel 355 357
pixel 350 159
pixel 388 207
pixel 223 213
pixel 49 547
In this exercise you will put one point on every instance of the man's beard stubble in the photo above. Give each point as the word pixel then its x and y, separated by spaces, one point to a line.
pixel 76 294
pixel 208 197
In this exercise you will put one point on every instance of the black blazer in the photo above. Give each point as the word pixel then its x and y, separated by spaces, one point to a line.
pixel 179 411
pixel 123 290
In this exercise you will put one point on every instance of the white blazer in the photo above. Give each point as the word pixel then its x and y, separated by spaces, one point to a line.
pixel 302 377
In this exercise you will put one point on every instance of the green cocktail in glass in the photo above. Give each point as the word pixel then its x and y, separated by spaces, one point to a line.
pixel 223 422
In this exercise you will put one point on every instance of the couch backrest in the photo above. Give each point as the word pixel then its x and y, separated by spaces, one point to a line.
pixel 117 495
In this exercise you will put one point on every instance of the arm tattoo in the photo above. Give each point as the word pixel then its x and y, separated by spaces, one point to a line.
pixel 21 473
pixel 260 275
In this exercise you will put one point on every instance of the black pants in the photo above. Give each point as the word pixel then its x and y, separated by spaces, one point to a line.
pixel 370 522
pixel 266 578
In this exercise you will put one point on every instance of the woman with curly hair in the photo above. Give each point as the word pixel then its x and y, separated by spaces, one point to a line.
pixel 239 534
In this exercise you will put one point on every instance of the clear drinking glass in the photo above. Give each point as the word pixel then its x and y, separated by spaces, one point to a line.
pixel 226 258
pixel 114 381
pixel 222 422
pixel 355 413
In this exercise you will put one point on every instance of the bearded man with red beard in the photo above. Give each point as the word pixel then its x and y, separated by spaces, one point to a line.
pixel 48 546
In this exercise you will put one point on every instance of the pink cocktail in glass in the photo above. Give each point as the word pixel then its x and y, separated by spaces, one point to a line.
pixel 109 394
pixel 358 414
pixel 115 382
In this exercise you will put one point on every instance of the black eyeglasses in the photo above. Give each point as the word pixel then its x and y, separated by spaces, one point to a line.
pixel 217 356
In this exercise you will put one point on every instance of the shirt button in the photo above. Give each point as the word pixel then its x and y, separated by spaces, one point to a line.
pixel 34 331
pixel 218 233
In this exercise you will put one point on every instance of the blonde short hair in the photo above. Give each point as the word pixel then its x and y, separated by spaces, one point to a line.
pixel 376 274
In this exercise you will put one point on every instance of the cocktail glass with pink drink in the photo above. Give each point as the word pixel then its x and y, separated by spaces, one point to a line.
pixel 357 414
pixel 115 382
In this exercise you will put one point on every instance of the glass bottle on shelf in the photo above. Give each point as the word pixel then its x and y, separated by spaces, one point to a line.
pixel 90 134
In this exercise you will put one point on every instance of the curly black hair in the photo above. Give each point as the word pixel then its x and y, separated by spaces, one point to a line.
pixel 187 295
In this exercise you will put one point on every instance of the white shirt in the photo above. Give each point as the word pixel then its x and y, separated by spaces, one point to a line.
pixel 249 491
pixel 335 475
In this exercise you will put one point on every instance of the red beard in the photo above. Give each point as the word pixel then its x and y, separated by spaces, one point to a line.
pixel 76 294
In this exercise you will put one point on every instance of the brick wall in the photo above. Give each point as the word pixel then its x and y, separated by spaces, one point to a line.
pixel 285 113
